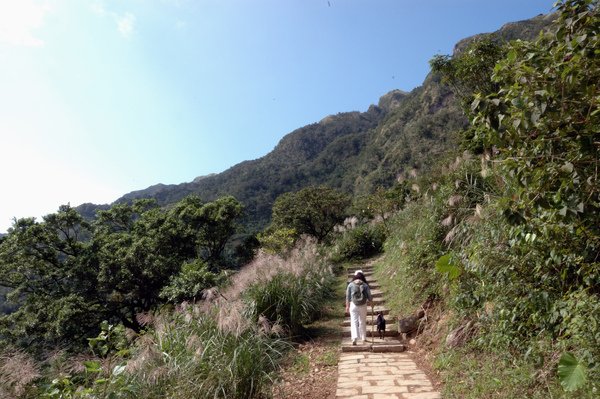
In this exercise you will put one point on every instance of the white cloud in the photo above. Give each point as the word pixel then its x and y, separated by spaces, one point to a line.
pixel 18 20
pixel 125 22
pixel 126 25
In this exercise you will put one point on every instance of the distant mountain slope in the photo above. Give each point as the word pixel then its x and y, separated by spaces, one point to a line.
pixel 352 151
pixel 298 160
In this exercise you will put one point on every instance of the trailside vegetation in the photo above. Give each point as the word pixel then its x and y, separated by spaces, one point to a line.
pixel 510 239
pixel 227 345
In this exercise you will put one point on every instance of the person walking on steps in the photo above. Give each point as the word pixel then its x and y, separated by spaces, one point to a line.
pixel 358 297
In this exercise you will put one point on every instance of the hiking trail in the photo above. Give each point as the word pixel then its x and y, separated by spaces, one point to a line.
pixel 379 368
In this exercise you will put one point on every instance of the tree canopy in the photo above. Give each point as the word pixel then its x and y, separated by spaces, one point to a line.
pixel 314 211
pixel 67 275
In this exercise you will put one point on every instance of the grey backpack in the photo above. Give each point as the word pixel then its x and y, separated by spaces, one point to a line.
pixel 359 295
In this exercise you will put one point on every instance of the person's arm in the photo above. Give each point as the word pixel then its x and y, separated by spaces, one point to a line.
pixel 369 296
pixel 348 298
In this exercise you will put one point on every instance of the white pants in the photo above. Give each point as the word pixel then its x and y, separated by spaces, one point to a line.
pixel 358 322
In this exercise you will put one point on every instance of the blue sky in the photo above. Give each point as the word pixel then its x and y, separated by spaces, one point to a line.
pixel 100 98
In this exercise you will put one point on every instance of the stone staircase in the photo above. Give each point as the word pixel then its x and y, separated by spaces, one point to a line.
pixel 391 341
pixel 379 375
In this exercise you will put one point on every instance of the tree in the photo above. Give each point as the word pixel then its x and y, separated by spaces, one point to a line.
pixel 477 61
pixel 382 203
pixel 219 225
pixel 66 276
pixel 209 225
pixel 314 211
pixel 134 258
pixel 45 266
pixel 469 73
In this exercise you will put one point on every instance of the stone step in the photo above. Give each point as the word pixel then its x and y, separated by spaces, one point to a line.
pixel 371 332
pixel 389 348
pixel 373 345
pixel 378 300
pixel 390 322
pixel 374 311
pixel 373 285
pixel 350 272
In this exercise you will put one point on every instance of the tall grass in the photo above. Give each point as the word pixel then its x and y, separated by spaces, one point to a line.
pixel 188 355
pixel 17 371
pixel 292 296
pixel 229 345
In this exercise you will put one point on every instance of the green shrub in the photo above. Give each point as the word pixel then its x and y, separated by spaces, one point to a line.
pixel 411 251
pixel 278 241
pixel 360 243
pixel 193 278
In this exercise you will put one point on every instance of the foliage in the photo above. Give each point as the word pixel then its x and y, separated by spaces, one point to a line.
pixel 469 373
pixel 314 211
pixel 46 267
pixel 67 275
pixel 245 249
pixel 571 372
pixel 413 246
pixel 218 225
pixel 190 282
pixel 182 354
pixel 360 243
pixel 278 241
pixel 97 383
pixel 476 61
pixel 382 203
pixel 529 249
pixel 187 354
pixel 448 266
pixel 211 225
pixel 543 121
pixel 290 300
pixel 201 350
pixel 110 340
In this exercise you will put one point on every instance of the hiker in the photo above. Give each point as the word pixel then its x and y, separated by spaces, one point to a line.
pixel 380 325
pixel 358 296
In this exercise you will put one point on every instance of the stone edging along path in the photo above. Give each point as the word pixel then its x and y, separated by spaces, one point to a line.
pixel 379 369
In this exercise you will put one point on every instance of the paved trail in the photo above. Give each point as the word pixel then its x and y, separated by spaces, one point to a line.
pixel 379 369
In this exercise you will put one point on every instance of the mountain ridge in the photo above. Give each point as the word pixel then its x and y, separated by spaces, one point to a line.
pixel 351 151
